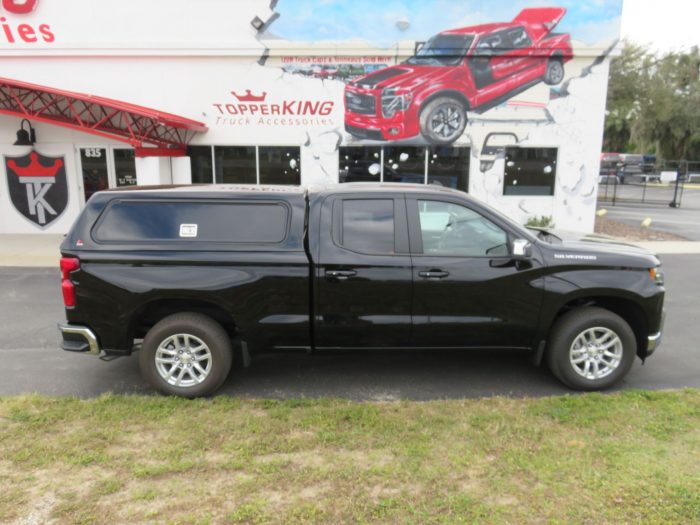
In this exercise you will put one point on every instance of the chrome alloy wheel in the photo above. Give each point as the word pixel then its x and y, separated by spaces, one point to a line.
pixel 183 360
pixel 556 72
pixel 447 121
pixel 596 353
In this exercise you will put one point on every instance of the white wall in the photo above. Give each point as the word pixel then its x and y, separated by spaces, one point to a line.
pixel 192 65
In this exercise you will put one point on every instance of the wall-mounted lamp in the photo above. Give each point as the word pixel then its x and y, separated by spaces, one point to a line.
pixel 257 23
pixel 25 137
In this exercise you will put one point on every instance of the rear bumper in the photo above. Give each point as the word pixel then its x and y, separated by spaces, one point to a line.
pixel 78 338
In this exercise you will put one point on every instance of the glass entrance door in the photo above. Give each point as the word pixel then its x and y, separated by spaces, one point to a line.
pixel 95 170
pixel 107 167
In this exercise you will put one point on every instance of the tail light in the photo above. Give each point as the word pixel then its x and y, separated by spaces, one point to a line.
pixel 68 265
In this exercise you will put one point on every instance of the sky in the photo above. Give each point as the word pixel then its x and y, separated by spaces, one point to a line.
pixel 589 21
pixel 672 28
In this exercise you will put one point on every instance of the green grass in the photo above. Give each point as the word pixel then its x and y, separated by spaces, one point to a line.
pixel 631 457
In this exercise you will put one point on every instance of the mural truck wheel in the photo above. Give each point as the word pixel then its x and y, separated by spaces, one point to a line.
pixel 555 72
pixel 442 121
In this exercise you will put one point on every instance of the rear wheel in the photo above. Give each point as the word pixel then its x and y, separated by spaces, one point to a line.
pixel 591 349
pixel 186 354
pixel 442 121
pixel 554 73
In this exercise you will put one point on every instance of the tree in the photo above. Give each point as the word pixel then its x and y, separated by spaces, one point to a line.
pixel 654 103
pixel 624 95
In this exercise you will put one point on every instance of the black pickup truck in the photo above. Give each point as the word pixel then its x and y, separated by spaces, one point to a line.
pixel 188 273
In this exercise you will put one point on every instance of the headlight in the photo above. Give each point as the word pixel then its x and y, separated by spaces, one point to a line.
pixel 657 276
pixel 394 100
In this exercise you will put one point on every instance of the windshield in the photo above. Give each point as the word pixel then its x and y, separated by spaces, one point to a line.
pixel 442 50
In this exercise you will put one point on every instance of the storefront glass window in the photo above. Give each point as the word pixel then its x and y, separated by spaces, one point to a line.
pixel 279 165
pixel 530 171
pixel 448 166
pixel 404 164
pixel 359 164
pixel 235 164
pixel 125 167
pixel 200 160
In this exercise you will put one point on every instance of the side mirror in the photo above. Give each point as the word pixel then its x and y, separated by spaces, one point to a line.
pixel 521 249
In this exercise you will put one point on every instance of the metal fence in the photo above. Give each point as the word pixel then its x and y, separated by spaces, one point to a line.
pixel 662 183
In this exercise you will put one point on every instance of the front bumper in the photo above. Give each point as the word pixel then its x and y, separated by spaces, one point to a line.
pixel 654 340
pixel 78 338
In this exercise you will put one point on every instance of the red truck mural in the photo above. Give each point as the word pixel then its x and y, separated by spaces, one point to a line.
pixel 469 69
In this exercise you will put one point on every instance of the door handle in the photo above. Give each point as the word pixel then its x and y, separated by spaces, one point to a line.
pixel 340 275
pixel 434 274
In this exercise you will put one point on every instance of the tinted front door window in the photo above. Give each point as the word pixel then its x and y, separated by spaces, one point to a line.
pixel 452 230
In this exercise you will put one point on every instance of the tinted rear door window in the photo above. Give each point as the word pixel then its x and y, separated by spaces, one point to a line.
pixel 368 225
pixel 232 222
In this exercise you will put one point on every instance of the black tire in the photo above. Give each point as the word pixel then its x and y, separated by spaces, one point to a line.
pixel 442 120
pixel 554 74
pixel 564 335
pixel 198 327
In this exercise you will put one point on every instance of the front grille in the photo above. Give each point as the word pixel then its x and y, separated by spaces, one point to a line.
pixel 360 103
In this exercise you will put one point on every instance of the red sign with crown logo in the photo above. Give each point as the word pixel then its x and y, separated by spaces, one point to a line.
pixel 37 187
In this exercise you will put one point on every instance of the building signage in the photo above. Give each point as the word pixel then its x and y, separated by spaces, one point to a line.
pixel 37 187
pixel 246 108
pixel 25 33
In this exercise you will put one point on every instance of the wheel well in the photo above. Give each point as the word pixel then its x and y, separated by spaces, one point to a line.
pixel 451 93
pixel 557 55
pixel 630 311
pixel 150 313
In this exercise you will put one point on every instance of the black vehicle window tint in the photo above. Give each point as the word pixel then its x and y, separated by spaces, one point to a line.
pixel 144 222
pixel 449 166
pixel 280 165
pixel 404 164
pixel 530 171
pixel 235 164
pixel 357 164
pixel 201 162
pixel 453 230
pixel 368 226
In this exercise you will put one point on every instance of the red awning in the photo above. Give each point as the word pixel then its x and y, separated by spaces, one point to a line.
pixel 117 120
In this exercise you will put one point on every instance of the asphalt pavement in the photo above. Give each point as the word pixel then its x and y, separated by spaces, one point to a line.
pixel 631 210
pixel 30 306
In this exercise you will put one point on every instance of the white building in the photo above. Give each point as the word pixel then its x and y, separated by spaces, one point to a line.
pixel 181 91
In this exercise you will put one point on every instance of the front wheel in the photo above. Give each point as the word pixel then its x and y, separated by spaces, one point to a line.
pixel 187 355
pixel 591 349
pixel 554 73
pixel 442 121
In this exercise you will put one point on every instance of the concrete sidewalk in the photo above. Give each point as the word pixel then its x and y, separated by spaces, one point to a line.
pixel 43 250
pixel 38 250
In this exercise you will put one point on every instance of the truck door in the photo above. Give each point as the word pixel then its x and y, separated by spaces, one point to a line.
pixel 466 291
pixel 363 275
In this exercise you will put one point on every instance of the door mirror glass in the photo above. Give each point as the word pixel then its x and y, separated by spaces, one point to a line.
pixel 522 249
